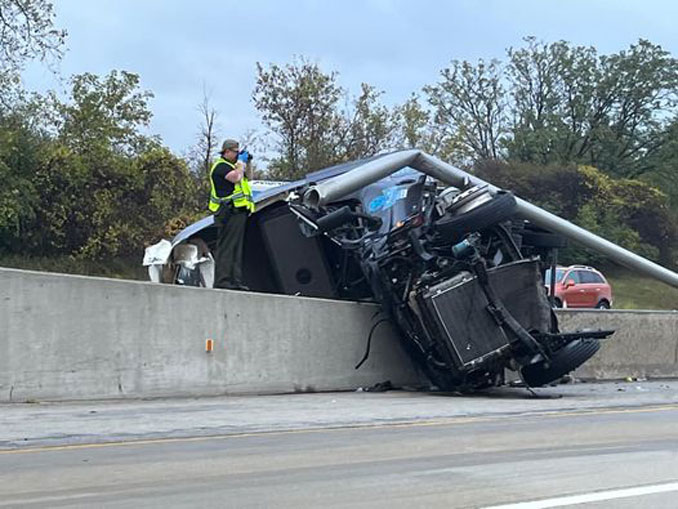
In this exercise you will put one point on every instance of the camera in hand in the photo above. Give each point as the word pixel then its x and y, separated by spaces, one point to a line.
pixel 245 156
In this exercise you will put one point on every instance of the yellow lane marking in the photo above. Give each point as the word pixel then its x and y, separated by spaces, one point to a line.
pixel 405 424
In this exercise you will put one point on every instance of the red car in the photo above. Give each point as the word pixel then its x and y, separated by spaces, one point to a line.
pixel 579 286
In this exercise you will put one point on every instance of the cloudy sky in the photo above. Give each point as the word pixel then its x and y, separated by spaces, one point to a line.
pixel 180 46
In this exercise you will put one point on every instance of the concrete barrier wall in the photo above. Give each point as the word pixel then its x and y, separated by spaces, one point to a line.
pixel 73 337
pixel 645 343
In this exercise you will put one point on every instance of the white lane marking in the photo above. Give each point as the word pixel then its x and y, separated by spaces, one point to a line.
pixel 16 502
pixel 591 497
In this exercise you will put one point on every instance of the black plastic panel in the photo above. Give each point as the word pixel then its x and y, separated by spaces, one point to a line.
pixel 298 262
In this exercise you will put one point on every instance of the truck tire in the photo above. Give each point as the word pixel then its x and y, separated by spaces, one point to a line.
pixel 567 359
pixel 500 208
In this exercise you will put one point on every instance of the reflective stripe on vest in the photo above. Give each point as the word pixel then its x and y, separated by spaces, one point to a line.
pixel 240 197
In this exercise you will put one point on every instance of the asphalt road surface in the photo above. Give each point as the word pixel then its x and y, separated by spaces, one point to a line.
pixel 588 450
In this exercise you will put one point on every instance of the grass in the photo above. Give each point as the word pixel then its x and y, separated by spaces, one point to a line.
pixel 632 291
pixel 118 268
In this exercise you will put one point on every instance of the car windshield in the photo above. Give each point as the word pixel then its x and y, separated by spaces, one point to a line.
pixel 559 275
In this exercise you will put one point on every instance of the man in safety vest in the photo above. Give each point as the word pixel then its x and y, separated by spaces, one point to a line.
pixel 231 202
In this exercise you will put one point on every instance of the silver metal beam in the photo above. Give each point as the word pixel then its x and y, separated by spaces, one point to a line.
pixel 337 187
pixel 341 185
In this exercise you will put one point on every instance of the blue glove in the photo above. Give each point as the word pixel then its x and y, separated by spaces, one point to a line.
pixel 244 156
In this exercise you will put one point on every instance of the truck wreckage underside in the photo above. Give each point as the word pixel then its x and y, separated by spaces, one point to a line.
pixel 448 265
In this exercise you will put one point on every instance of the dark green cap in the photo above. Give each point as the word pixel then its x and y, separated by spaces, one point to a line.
pixel 230 145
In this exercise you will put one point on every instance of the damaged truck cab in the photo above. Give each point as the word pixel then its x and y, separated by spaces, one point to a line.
pixel 444 263
pixel 446 267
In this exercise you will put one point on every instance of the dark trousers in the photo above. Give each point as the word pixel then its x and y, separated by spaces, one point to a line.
pixel 231 222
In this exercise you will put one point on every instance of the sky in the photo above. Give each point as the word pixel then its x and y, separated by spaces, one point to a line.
pixel 181 48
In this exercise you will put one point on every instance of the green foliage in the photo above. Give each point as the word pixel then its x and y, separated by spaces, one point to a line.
pixel 20 146
pixel 111 208
pixel 298 103
pixel 301 105
pixel 104 115
pixel 572 105
pixel 627 212
pixel 414 125
pixel 552 86
pixel 368 129
pixel 14 194
pixel 132 202
pixel 665 161
pixel 555 103
pixel 94 187
pixel 27 32
pixel 558 189
pixel 469 106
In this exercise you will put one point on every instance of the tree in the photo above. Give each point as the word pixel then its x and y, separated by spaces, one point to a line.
pixel 418 127
pixel 301 105
pixel 202 154
pixel 97 187
pixel 413 124
pixel 665 160
pixel 156 195
pixel 26 32
pixel 552 86
pixel 298 104
pixel 571 104
pixel 642 84
pixel 470 102
pixel 105 114
pixel 368 127
pixel 23 142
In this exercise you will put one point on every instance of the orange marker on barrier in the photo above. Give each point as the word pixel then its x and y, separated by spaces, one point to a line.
pixel 209 345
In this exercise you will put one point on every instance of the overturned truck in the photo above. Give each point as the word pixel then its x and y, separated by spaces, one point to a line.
pixel 451 260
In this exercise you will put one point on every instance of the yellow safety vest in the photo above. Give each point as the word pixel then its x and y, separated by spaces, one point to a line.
pixel 241 195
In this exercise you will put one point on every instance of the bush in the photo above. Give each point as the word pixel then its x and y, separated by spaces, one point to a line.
pixel 628 212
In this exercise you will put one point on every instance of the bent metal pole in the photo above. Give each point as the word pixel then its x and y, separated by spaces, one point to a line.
pixel 365 174
pixel 380 167
pixel 551 222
